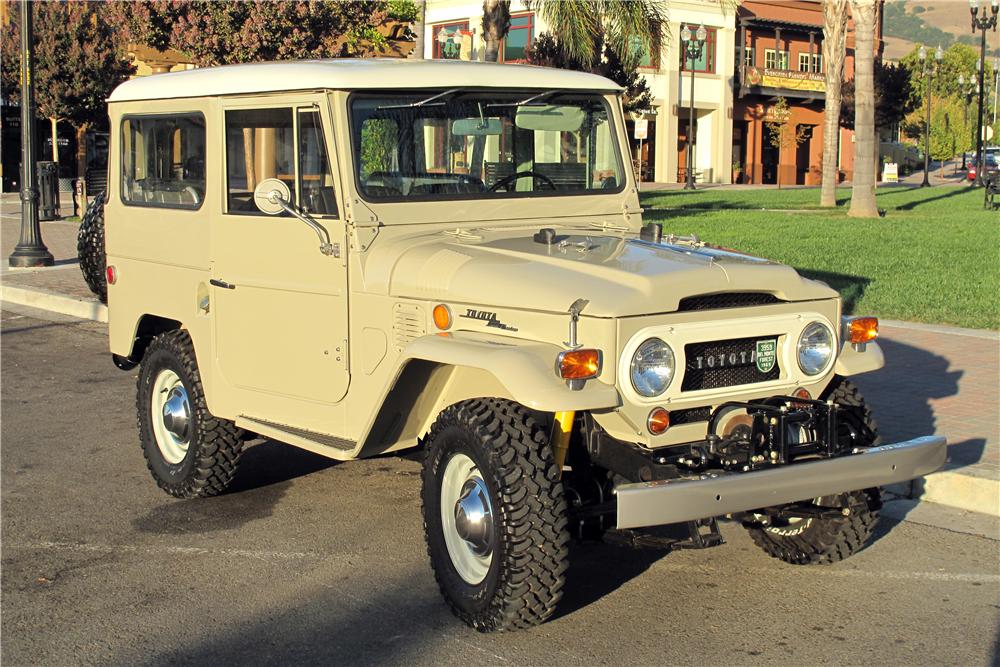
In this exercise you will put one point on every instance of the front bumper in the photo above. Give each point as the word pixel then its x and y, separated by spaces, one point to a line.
pixel 717 494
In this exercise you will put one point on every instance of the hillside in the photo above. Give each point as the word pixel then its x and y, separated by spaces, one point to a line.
pixel 909 23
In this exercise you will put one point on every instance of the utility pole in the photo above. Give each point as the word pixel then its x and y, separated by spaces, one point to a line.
pixel 929 71
pixel 30 250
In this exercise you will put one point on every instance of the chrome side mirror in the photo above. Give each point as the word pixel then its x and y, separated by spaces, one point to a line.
pixel 272 197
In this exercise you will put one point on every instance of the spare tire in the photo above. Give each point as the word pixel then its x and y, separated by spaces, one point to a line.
pixel 90 248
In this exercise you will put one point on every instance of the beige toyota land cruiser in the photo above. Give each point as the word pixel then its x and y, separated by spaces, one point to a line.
pixel 360 257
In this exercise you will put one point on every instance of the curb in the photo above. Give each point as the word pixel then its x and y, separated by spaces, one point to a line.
pixel 953 488
pixel 85 309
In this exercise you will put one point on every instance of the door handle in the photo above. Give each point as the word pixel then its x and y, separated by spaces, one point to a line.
pixel 221 283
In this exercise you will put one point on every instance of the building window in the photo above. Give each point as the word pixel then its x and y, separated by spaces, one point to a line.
pixel 775 59
pixel 817 61
pixel 163 160
pixel 448 39
pixel 748 56
pixel 519 38
pixel 706 61
pixel 647 59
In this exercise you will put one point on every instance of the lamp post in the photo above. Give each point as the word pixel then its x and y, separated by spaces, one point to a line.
pixel 29 251
pixel 928 73
pixel 966 93
pixel 692 52
pixel 988 21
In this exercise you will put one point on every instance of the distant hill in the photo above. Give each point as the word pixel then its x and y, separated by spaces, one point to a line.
pixel 908 23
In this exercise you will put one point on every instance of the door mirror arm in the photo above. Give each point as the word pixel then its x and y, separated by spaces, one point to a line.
pixel 271 196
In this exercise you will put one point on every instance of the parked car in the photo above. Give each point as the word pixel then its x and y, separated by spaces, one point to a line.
pixel 483 287
pixel 991 160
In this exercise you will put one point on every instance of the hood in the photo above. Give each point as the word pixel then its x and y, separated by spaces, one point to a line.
pixel 619 276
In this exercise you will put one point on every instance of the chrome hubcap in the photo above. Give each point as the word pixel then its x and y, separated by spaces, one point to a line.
pixel 474 517
pixel 177 413
pixel 171 416
pixel 467 518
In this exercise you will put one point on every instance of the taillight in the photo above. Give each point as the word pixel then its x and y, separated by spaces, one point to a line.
pixel 112 275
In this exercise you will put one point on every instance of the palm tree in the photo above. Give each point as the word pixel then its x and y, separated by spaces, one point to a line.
pixel 419 25
pixel 627 26
pixel 863 190
pixel 496 23
pixel 834 50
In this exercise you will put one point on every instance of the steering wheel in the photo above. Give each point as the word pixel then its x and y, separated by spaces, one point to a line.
pixel 508 180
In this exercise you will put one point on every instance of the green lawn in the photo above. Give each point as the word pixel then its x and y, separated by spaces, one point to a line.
pixel 934 257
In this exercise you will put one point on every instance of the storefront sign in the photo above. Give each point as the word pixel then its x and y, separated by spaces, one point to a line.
pixel 787 79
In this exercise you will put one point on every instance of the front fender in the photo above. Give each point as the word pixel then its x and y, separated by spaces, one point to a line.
pixel 851 362
pixel 525 368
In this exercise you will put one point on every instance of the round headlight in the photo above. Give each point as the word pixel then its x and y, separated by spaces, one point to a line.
pixel 652 367
pixel 815 348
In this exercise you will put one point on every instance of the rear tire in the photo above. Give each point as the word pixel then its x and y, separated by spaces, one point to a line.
pixel 829 540
pixel 190 452
pixel 494 515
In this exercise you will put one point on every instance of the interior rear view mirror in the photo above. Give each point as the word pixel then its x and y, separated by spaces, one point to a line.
pixel 476 127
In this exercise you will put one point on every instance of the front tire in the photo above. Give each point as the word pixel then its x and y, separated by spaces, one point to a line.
pixel 823 540
pixel 190 452
pixel 494 515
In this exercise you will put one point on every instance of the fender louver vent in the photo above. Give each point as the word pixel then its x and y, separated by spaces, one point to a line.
pixel 727 300
pixel 408 323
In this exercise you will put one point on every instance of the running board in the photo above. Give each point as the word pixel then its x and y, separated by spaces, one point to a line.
pixel 317 443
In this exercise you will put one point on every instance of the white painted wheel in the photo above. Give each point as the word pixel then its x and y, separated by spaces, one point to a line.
pixel 171 416
pixel 467 519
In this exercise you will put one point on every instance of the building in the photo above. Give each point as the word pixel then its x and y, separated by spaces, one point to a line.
pixel 781 56
pixel 453 30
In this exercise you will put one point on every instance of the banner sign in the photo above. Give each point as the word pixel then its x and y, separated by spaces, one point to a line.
pixel 781 78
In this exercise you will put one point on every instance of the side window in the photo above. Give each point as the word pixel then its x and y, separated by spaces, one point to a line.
pixel 259 144
pixel 317 193
pixel 163 161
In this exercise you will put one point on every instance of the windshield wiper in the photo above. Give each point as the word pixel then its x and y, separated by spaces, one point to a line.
pixel 425 102
pixel 525 102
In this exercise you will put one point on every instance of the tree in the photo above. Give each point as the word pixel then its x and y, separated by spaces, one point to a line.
pixel 547 51
pixel 780 131
pixel 958 60
pixel 630 27
pixel 893 96
pixel 496 23
pixel 79 60
pixel 219 33
pixel 865 142
pixel 834 50
pixel 952 127
pixel 419 27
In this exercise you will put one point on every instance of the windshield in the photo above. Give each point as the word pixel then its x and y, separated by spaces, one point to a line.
pixel 448 144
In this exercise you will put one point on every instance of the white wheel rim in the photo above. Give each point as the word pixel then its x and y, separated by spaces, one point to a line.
pixel 464 498
pixel 171 416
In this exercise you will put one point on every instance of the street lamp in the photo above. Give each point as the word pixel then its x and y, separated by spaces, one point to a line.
pixel 966 93
pixel 692 52
pixel 30 250
pixel 982 24
pixel 928 72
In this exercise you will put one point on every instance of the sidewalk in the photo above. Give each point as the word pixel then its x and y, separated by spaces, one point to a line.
pixel 937 379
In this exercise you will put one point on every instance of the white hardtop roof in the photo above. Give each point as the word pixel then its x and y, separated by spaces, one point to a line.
pixel 353 74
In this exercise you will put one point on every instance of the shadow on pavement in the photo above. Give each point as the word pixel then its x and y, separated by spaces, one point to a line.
pixel 265 473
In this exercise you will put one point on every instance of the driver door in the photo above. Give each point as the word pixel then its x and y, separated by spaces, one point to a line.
pixel 280 305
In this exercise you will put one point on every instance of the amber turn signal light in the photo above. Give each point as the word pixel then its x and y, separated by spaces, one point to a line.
pixel 658 421
pixel 442 316
pixel 862 329
pixel 579 364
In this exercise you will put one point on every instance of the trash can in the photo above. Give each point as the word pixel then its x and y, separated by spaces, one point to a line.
pixel 48 190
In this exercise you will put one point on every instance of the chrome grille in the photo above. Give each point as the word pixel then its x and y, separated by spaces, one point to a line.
pixel 743 371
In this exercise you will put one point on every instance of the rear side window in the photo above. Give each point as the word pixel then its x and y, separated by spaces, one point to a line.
pixel 163 160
